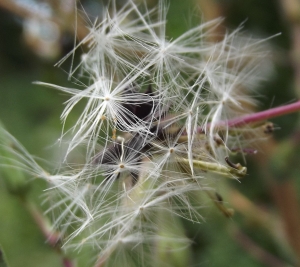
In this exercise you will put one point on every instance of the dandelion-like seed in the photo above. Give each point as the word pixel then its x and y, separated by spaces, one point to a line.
pixel 154 128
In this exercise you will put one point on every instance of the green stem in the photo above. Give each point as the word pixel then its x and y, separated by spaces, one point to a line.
pixel 216 168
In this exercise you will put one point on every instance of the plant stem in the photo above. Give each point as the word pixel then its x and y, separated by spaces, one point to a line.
pixel 216 168
pixel 263 115
pixel 52 238
pixel 258 116
pixel 256 251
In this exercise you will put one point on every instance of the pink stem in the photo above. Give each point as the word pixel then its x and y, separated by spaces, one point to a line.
pixel 67 263
pixel 262 115
pixel 52 238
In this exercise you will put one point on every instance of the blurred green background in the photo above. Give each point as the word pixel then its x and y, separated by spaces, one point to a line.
pixel 265 228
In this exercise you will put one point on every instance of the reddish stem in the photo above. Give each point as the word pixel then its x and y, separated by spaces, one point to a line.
pixel 52 238
pixel 67 263
pixel 260 116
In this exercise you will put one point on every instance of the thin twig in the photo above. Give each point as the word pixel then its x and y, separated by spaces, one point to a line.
pixel 262 115
pixel 52 238
pixel 256 251
pixel 257 116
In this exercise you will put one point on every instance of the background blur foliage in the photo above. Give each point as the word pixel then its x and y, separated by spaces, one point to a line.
pixel 259 234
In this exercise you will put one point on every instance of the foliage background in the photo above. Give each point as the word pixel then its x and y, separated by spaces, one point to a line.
pixel 265 231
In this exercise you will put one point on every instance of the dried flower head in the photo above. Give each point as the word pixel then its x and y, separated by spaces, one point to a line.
pixel 153 128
